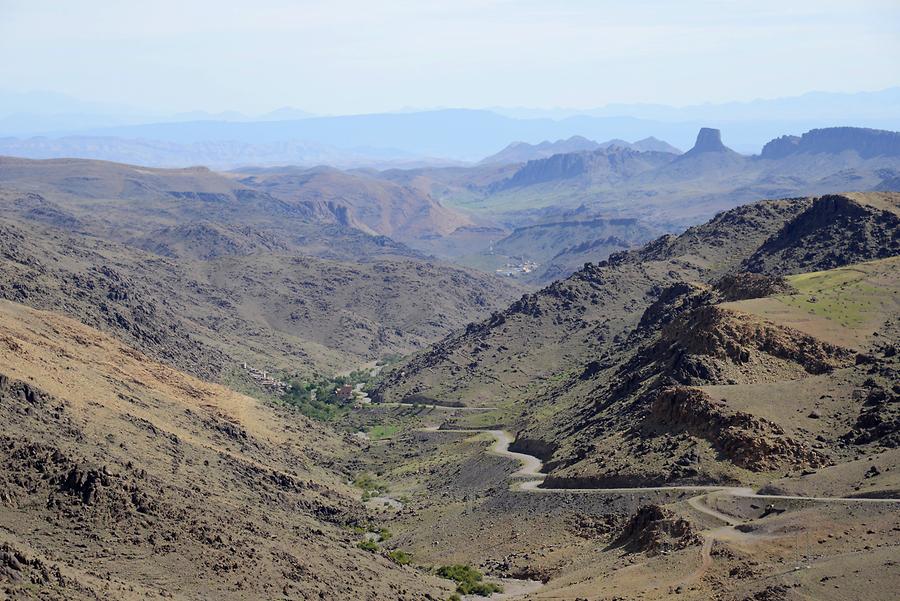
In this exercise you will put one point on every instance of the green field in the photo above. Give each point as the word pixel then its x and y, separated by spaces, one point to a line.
pixel 849 295
pixel 382 431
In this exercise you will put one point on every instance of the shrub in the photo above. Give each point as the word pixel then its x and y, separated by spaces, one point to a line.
pixel 399 557
pixel 484 589
pixel 468 580
pixel 370 484
pixel 368 545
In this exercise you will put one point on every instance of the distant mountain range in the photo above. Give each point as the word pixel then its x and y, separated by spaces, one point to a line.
pixel 460 211
pixel 836 158
pixel 519 152
pixel 447 134
pixel 217 154
pixel 565 192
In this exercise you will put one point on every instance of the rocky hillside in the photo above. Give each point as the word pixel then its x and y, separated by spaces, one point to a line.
pixel 273 311
pixel 868 230
pixel 668 353
pixel 584 315
pixel 162 209
pixel 373 205
pixel 123 478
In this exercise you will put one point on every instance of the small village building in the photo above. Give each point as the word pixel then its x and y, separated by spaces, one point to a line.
pixel 344 393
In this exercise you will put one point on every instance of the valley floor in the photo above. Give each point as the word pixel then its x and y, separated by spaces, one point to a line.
pixel 476 501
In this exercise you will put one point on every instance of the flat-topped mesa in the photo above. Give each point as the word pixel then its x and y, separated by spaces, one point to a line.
pixel 709 140
pixel 867 143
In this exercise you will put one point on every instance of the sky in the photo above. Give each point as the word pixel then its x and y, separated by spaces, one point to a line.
pixel 357 56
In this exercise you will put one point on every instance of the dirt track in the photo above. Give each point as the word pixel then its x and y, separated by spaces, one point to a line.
pixel 532 468
pixel 529 477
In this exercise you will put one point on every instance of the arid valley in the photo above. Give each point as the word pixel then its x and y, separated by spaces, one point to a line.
pixel 629 351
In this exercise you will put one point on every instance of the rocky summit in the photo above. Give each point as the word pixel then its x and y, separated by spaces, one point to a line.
pixel 708 140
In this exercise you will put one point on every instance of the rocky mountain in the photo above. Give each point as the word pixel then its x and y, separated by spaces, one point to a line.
pixel 580 316
pixel 521 152
pixel 607 165
pixel 652 144
pixel 708 140
pixel 648 368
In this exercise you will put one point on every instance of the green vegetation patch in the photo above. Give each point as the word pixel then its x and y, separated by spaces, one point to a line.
pixel 368 545
pixel 847 295
pixel 382 431
pixel 469 581
pixel 326 398
pixel 399 557
pixel 370 485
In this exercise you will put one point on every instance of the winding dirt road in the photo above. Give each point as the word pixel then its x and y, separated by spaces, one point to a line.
pixel 532 469
pixel 530 476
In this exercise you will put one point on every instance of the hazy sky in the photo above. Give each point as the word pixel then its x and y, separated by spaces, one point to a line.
pixel 345 56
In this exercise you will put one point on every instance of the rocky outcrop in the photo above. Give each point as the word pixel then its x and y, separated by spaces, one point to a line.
pixel 674 301
pixel 745 440
pixel 744 286
pixel 735 337
pixel 22 573
pixel 709 140
pixel 654 530
pixel 879 417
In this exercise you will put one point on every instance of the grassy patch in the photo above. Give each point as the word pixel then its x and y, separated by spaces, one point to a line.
pixel 382 431
pixel 849 296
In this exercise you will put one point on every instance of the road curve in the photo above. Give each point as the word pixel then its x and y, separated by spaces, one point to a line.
pixel 531 468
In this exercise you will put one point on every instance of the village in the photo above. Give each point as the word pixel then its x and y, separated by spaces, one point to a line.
pixel 342 391
pixel 266 381
pixel 514 269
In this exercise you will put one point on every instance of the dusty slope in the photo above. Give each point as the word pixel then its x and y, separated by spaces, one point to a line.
pixel 125 478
